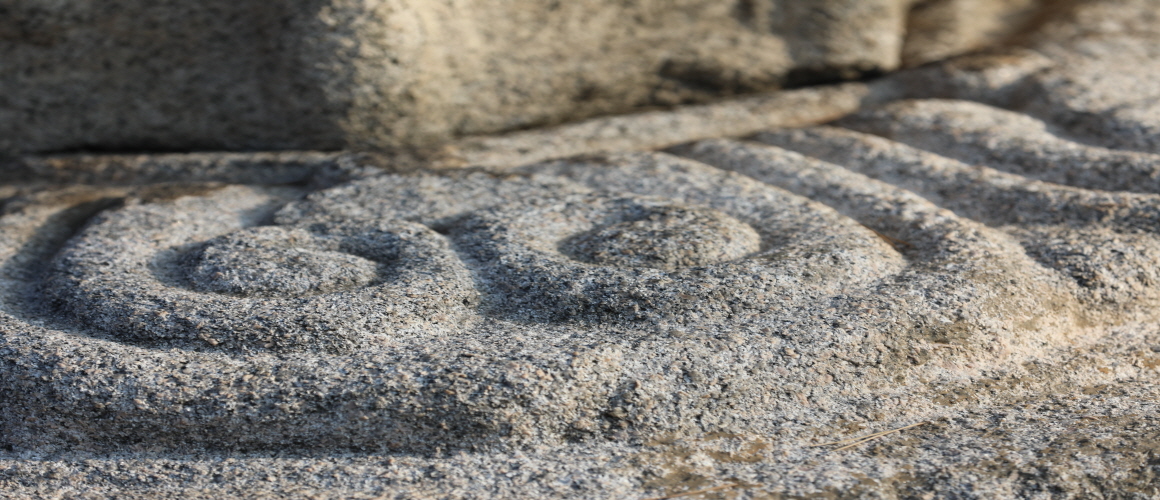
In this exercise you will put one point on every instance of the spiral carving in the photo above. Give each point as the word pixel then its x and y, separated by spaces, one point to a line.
pixel 166 272
pixel 556 301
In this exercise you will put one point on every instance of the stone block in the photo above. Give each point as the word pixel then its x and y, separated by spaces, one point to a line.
pixel 327 74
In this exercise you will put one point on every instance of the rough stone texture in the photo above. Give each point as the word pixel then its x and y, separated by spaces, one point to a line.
pixel 973 251
pixel 978 134
pixel 253 288
pixel 326 74
pixel 1089 73
pixel 937 29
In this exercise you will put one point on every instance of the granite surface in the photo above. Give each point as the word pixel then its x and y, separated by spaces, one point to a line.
pixel 938 284
pixel 328 74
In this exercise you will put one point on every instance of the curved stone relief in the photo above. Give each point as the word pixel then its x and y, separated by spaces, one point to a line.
pixel 618 296
pixel 1104 241
pixel 979 134
pixel 808 274
pixel 806 278
pixel 198 270
pixel 785 246
pixel 971 285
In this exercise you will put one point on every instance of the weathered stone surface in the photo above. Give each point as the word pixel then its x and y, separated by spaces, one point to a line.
pixel 939 29
pixel 1090 73
pixel 727 314
pixel 326 74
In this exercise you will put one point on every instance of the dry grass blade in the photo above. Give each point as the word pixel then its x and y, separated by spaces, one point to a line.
pixel 876 436
pixel 860 439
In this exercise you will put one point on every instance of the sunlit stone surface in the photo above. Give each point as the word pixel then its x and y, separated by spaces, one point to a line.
pixel 687 311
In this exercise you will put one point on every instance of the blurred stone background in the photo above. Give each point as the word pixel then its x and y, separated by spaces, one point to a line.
pixel 169 75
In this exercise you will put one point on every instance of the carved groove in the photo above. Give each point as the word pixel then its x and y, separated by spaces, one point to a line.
pixel 593 296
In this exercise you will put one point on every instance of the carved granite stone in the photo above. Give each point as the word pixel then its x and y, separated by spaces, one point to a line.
pixel 712 301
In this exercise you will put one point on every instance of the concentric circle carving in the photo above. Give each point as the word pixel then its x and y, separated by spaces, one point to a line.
pixel 272 261
pixel 659 234
pixel 619 297
pixel 166 273
pixel 637 237
pixel 607 257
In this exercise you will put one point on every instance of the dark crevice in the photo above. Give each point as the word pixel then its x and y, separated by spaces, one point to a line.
pixel 810 77
pixel 38 252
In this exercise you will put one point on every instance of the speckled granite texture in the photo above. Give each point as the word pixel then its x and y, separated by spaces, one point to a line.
pixel 708 302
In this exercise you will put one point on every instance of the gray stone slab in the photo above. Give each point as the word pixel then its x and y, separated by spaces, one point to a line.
pixel 329 74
